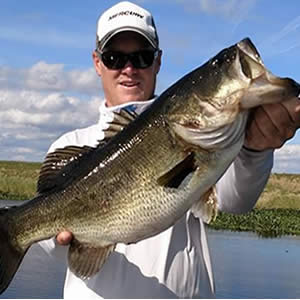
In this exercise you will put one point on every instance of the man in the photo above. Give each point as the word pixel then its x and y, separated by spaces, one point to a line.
pixel 174 263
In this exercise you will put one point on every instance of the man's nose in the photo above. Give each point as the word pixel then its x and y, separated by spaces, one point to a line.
pixel 129 68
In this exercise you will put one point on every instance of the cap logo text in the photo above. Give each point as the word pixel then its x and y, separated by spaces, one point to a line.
pixel 125 13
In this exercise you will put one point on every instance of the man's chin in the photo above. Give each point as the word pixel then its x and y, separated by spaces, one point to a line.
pixel 132 98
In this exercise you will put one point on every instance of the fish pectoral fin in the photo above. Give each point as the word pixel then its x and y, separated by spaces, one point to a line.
pixel 120 120
pixel 175 176
pixel 55 162
pixel 85 260
pixel 206 208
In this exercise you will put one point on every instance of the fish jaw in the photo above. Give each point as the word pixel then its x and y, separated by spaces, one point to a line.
pixel 269 89
pixel 264 87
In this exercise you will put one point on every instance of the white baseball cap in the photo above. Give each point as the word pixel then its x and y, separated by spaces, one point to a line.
pixel 126 16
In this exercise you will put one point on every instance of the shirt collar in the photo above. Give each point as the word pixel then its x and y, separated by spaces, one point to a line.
pixel 106 113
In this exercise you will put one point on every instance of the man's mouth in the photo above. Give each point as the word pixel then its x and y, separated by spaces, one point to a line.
pixel 129 84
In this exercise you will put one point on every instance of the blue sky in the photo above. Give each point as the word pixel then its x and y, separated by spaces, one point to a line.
pixel 48 85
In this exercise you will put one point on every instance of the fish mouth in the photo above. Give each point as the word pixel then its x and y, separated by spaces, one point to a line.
pixel 252 65
pixel 264 86
pixel 248 48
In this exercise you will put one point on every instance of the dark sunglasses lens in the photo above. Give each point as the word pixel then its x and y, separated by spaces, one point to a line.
pixel 114 60
pixel 117 60
pixel 142 59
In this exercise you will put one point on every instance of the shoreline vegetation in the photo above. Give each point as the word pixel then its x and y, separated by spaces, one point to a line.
pixel 276 213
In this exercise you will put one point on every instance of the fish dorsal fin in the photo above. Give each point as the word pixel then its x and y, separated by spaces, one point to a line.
pixel 206 208
pixel 51 173
pixel 175 176
pixel 120 120
pixel 85 260
pixel 55 162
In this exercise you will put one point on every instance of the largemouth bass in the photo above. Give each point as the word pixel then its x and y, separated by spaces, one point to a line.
pixel 144 178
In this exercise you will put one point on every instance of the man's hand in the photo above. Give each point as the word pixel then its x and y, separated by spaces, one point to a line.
pixel 271 125
pixel 64 238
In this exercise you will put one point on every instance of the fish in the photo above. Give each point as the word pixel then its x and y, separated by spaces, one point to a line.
pixel 149 170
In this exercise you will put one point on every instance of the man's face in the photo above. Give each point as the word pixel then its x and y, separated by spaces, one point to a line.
pixel 128 83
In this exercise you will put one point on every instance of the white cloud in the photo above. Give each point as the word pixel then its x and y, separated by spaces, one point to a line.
pixel 36 108
pixel 45 76
pixel 50 77
pixel 287 159
pixel 42 102
pixel 35 127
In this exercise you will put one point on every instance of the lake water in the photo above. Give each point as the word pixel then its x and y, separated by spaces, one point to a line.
pixel 245 266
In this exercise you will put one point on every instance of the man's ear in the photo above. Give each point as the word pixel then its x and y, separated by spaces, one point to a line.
pixel 97 62
pixel 158 61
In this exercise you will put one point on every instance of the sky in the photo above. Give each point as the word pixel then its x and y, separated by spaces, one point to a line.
pixel 48 85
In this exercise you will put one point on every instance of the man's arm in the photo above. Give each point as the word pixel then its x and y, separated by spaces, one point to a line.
pixel 241 185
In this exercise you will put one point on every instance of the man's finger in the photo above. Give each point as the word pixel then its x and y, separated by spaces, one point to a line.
pixel 293 108
pixel 64 238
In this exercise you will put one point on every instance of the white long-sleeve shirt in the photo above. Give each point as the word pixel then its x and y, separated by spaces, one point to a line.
pixel 176 262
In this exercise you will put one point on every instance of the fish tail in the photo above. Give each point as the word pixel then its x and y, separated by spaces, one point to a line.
pixel 10 254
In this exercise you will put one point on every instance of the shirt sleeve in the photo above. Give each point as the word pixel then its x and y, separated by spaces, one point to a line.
pixel 241 185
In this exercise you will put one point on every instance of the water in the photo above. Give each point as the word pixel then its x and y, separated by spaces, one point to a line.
pixel 245 266
pixel 37 276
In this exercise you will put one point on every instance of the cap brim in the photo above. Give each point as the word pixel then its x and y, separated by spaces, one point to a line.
pixel 111 34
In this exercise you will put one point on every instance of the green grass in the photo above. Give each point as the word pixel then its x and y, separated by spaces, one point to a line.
pixel 265 222
pixel 18 180
pixel 282 191
pixel 277 211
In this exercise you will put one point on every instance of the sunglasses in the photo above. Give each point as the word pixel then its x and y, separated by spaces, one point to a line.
pixel 116 60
